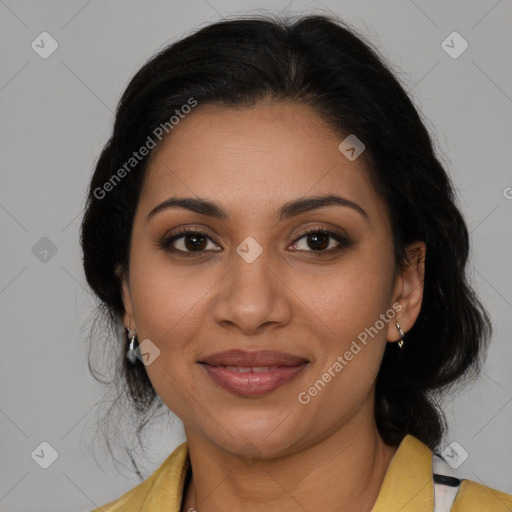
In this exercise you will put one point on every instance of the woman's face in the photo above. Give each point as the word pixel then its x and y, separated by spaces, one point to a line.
pixel 254 281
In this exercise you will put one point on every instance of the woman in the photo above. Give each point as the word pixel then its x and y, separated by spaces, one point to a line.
pixel 270 224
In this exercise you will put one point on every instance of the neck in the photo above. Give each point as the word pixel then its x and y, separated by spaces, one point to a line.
pixel 342 472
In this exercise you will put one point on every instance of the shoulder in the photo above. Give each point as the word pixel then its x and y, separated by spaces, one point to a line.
pixel 471 496
pixel 408 485
pixel 159 491
pixel 475 497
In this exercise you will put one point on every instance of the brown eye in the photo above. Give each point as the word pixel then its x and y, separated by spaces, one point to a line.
pixel 318 241
pixel 321 242
pixel 187 241
pixel 195 241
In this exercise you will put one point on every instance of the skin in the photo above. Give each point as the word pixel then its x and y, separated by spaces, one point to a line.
pixel 326 455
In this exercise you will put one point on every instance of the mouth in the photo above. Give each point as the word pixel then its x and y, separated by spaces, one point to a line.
pixel 252 381
pixel 252 374
pixel 253 359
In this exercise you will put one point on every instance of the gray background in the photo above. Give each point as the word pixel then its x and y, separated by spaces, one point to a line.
pixel 56 114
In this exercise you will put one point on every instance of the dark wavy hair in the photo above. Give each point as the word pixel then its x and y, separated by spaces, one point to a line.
pixel 318 61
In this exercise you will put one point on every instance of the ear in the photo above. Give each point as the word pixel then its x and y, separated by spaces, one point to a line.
pixel 124 279
pixel 408 290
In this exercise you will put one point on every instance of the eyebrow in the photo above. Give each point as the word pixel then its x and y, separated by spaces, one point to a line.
pixel 288 210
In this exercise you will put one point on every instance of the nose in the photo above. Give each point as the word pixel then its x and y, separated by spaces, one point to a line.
pixel 253 297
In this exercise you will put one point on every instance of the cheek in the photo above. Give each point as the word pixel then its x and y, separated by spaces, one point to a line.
pixel 347 306
pixel 165 300
pixel 349 356
pixel 167 305
pixel 348 298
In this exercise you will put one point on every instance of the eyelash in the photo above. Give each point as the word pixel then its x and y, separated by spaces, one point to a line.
pixel 166 243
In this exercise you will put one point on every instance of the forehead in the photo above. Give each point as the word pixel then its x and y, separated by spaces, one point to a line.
pixel 255 159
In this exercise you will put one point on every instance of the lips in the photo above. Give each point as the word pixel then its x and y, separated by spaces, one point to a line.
pixel 252 374
pixel 255 359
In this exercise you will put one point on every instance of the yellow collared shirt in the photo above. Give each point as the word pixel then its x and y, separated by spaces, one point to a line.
pixel 407 487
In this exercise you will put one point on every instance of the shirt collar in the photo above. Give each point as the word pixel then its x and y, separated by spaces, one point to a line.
pixel 167 490
pixel 408 483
